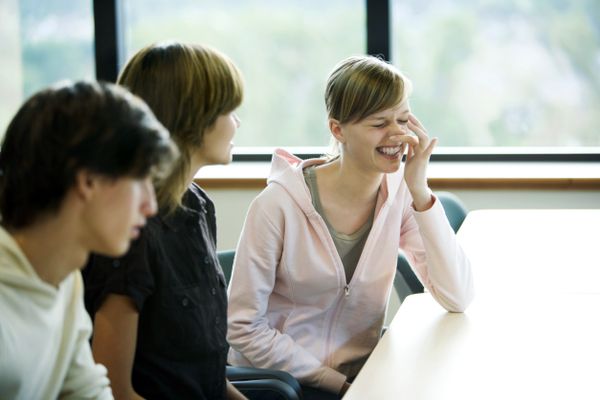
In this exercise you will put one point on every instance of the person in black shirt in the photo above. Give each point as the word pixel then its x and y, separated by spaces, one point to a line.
pixel 160 312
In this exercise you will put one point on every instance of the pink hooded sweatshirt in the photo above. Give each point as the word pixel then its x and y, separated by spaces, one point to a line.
pixel 290 307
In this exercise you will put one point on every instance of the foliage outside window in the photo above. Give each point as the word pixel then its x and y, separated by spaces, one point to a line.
pixel 502 72
pixel 507 74
pixel 285 50
pixel 42 42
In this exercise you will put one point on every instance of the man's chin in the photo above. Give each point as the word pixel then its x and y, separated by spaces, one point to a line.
pixel 116 250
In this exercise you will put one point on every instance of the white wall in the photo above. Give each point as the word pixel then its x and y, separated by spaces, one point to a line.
pixel 232 204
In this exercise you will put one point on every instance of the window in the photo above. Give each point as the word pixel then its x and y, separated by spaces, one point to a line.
pixel 285 50
pixel 513 76
pixel 42 42
pixel 502 72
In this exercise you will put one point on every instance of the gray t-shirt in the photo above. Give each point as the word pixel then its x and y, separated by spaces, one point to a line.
pixel 349 247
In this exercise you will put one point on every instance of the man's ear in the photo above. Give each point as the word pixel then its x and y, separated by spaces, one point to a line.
pixel 85 184
pixel 336 130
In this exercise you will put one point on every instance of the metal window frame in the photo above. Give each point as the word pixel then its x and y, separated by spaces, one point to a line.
pixel 108 39
pixel 110 50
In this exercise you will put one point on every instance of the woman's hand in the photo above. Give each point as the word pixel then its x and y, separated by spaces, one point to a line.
pixel 344 389
pixel 417 160
pixel 232 393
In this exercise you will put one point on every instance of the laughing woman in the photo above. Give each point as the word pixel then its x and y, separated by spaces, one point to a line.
pixel 316 260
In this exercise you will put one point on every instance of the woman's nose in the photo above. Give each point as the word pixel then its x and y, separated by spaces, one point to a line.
pixel 149 205
pixel 399 129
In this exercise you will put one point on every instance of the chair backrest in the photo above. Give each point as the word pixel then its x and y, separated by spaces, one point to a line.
pixel 272 384
pixel 226 260
pixel 456 211
pixel 405 281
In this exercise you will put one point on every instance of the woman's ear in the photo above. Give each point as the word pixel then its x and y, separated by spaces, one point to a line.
pixel 336 130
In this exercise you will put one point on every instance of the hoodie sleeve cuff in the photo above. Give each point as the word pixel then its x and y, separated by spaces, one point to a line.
pixel 332 381
pixel 432 200
pixel 432 215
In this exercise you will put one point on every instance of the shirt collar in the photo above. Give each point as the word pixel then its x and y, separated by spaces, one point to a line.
pixel 192 205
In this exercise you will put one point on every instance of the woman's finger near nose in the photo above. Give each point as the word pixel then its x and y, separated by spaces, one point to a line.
pixel 419 131
pixel 410 139
pixel 414 120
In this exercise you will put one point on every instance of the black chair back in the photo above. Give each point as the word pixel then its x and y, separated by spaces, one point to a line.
pixel 226 260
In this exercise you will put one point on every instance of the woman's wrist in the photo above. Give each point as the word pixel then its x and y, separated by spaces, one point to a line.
pixel 344 388
pixel 422 199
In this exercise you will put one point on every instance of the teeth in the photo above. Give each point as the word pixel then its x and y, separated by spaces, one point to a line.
pixel 390 151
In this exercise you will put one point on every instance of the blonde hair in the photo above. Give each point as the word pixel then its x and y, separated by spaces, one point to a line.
pixel 187 87
pixel 360 86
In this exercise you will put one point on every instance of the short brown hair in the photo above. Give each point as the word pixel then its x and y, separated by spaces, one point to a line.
pixel 188 87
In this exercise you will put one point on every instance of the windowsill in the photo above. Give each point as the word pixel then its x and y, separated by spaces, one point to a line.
pixel 442 175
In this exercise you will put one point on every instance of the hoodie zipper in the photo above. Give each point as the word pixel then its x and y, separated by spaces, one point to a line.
pixel 329 358
pixel 312 213
pixel 338 307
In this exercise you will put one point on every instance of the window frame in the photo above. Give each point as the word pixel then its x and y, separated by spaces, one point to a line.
pixel 109 57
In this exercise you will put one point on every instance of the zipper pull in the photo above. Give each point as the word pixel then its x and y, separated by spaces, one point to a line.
pixel 346 290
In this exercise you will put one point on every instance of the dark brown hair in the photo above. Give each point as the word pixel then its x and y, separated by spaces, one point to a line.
pixel 61 130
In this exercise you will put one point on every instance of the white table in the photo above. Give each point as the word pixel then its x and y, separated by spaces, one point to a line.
pixel 502 348
pixel 532 332
pixel 518 251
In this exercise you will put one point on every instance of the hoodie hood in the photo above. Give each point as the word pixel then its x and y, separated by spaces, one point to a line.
pixel 286 170
pixel 44 334
pixel 16 270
